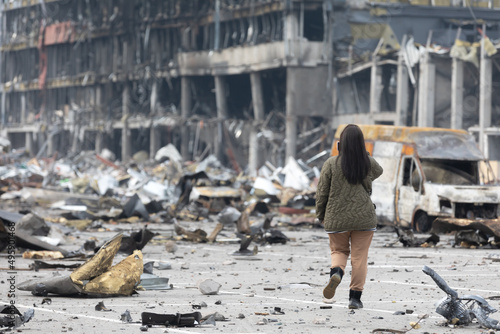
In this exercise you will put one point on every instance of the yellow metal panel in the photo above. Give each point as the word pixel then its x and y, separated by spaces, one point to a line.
pixel 481 4
pixel 399 134
pixel 442 3
pixel 408 150
pixel 217 192
pixel 420 2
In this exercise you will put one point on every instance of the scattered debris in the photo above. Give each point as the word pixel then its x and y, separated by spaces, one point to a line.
pixel 11 318
pixel 100 307
pixel 171 246
pixel 125 317
pixel 178 319
pixel 48 255
pixel 462 310
pixel 37 265
pixel 471 234
pixel 154 282
pixel 408 239
pixel 209 287
pixel 97 277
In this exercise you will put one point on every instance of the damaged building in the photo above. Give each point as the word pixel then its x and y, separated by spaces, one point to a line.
pixel 247 80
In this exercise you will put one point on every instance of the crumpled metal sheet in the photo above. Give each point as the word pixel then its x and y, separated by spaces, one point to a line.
pixel 447 145
pixel 99 263
pixel 430 142
pixel 121 279
pixel 97 277
pixel 154 282
pixel 490 227
pixel 13 318
pixel 62 286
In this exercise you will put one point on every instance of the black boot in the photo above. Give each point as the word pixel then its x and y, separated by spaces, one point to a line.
pixel 335 278
pixel 355 299
pixel 337 270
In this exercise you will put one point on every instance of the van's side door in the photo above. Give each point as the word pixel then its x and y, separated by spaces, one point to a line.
pixel 409 189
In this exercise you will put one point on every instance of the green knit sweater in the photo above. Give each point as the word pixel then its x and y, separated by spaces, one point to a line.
pixel 341 205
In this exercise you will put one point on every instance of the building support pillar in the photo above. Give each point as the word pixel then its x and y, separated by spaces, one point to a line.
pixel 23 108
pixel 126 140
pixel 291 117
pixel 485 86
pixel 154 139
pixel 426 91
pixel 402 92
pixel 220 98
pixel 51 144
pixel 29 144
pixel 99 141
pixel 2 108
pixel 99 136
pixel 186 106
pixel 258 112
pixel 457 93
pixel 375 87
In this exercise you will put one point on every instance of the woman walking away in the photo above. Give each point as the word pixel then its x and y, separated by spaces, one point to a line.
pixel 344 206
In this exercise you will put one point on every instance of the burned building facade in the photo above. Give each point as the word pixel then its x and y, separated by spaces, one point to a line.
pixel 247 80
pixel 226 77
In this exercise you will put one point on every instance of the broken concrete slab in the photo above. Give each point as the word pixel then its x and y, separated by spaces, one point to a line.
pixel 33 224
pixel 169 152
pixel 229 215
pixel 209 287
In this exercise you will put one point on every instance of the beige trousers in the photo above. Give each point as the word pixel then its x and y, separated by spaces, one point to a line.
pixel 355 243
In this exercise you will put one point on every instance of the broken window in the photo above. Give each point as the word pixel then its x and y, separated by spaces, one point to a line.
pixel 451 171
pixel 411 176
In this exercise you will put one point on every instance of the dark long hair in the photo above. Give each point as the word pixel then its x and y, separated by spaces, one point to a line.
pixel 354 159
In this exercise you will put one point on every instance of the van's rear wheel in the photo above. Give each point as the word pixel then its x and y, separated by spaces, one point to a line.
pixel 422 222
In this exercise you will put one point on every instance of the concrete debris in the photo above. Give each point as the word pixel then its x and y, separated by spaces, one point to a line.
pixel 100 307
pixel 209 287
pixel 125 317
pixel 228 215
pixel 171 246
pixel 33 224
pixel 212 318
pixel 168 152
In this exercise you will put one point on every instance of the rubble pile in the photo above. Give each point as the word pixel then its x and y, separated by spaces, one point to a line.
pixel 85 191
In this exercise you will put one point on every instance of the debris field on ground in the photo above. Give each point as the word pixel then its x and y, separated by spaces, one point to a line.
pixel 196 248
